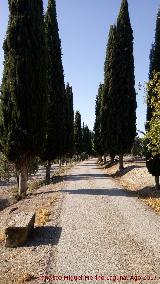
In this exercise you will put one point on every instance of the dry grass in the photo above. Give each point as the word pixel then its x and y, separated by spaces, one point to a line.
pixel 43 213
pixel 20 265
pixel 151 197
pixel 2 236
pixel 136 179
pixel 42 216
pixel 154 203
pixel 24 278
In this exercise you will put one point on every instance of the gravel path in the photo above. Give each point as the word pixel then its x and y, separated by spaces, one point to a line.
pixel 105 232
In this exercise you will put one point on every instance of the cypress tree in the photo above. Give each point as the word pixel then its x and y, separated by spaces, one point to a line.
pixel 108 123
pixel 121 105
pixel 78 133
pixel 155 51
pixel 87 140
pixel 55 139
pixel 83 138
pixel 69 122
pixel 154 60
pixel 126 116
pixel 153 162
pixel 24 86
pixel 98 146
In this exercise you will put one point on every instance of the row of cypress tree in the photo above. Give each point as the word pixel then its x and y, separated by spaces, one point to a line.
pixel 115 124
pixel 56 134
pixel 36 110
pixel 24 86
pixel 82 136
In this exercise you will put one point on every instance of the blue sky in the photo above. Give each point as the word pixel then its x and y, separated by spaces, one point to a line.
pixel 83 27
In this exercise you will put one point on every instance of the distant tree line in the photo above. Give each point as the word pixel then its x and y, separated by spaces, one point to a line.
pixel 83 137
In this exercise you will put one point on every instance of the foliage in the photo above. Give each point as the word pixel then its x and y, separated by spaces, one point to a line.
pixel 154 65
pixel 119 96
pixel 55 139
pixel 84 156
pixel 24 84
pixel 97 142
pixel 6 168
pixel 34 165
pixel 153 132
pixel 69 143
pixel 78 133
pixel 153 114
pixel 86 140
pixel 123 96
pixel 108 105
pixel 155 50
pixel 139 147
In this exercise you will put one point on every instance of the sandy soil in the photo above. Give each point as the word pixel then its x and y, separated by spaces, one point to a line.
pixel 21 264
pixel 136 178
pixel 135 173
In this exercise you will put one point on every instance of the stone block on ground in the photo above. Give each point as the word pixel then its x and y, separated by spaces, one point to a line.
pixel 18 228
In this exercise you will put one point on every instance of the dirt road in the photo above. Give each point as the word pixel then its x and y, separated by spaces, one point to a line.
pixel 95 232
pixel 104 232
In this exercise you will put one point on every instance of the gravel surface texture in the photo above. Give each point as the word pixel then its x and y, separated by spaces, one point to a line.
pixel 105 231
pixel 95 229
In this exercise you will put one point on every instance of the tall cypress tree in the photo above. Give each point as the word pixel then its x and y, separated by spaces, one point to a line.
pixel 24 86
pixel 98 144
pixel 154 59
pixel 108 121
pixel 121 105
pixel 69 144
pixel 153 163
pixel 78 133
pixel 56 101
pixel 126 116
pixel 155 51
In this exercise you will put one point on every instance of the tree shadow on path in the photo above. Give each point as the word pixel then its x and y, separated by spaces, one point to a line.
pixel 145 192
pixel 100 192
pixel 44 236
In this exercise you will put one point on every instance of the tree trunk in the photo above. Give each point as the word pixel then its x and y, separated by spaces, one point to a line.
pixel 17 177
pixel 112 158
pixel 157 182
pixel 60 163
pixel 23 175
pixel 121 164
pixel 100 159
pixel 48 172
